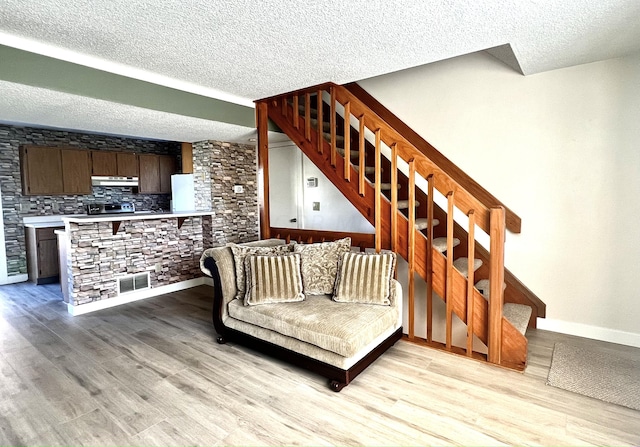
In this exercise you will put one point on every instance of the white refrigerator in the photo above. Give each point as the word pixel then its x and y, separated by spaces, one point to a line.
pixel 183 196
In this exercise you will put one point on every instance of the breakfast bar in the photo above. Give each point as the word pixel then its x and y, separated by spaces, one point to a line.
pixel 111 259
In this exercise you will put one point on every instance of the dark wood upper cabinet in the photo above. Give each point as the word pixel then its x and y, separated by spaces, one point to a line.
pixel 104 163
pixel 76 171
pixel 127 164
pixel 41 169
pixel 167 169
pixel 149 169
pixel 155 173
pixel 111 163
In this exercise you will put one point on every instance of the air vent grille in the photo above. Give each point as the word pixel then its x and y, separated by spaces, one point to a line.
pixel 133 283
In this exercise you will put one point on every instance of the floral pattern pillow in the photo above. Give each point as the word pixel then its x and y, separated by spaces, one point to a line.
pixel 319 264
pixel 240 252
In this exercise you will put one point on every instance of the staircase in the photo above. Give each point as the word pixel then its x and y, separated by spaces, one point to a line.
pixel 411 201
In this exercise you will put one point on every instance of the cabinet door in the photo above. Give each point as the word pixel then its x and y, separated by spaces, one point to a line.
pixel 76 171
pixel 48 263
pixel 149 169
pixel 41 170
pixel 167 169
pixel 103 163
pixel 127 164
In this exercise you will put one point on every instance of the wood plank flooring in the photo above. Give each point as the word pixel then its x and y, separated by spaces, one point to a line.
pixel 151 373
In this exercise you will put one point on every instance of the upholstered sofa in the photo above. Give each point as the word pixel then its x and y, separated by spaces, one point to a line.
pixel 320 306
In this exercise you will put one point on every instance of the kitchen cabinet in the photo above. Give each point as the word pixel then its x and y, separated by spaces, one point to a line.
pixel 127 164
pixel 155 173
pixel 111 163
pixel 42 254
pixel 41 169
pixel 76 171
pixel 55 171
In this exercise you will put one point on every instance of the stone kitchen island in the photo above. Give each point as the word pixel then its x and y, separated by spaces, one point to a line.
pixel 115 259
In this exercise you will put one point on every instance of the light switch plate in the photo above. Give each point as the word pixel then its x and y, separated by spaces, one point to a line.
pixel 316 206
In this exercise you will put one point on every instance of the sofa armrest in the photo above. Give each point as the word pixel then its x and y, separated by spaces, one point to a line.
pixel 397 299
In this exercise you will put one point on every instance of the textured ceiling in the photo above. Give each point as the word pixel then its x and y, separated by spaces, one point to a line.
pixel 242 50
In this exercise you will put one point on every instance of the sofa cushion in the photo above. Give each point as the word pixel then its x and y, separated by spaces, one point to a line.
pixel 365 278
pixel 272 279
pixel 337 327
pixel 319 264
pixel 240 252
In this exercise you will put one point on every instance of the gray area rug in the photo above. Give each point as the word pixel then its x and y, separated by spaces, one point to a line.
pixel 596 373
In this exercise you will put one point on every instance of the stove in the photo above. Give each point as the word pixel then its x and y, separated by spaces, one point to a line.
pixel 111 208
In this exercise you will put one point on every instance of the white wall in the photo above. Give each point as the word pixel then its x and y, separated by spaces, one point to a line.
pixel 562 149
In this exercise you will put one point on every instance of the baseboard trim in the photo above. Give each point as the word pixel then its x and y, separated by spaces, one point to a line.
pixel 14 279
pixel 134 296
pixel 587 331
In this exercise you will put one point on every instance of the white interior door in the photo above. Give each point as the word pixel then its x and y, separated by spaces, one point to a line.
pixel 285 185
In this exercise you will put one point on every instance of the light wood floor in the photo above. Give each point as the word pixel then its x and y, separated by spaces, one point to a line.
pixel 151 373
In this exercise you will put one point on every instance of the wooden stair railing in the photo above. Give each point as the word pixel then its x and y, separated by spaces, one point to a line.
pixel 393 229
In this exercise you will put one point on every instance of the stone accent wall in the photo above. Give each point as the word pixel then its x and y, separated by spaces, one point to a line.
pixel 218 167
pixel 16 206
pixel 97 257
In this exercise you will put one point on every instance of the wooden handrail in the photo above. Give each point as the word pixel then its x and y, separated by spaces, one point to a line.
pixel 513 221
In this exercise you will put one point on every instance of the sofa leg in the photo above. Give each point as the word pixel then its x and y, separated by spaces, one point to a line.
pixel 336 386
pixel 221 340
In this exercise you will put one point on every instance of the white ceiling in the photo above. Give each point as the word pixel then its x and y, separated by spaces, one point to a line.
pixel 242 50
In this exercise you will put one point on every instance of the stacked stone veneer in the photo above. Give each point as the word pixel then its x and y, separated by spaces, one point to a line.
pixel 97 257
pixel 15 206
pixel 218 167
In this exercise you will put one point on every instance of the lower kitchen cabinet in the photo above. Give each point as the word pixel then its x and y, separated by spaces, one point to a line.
pixel 42 254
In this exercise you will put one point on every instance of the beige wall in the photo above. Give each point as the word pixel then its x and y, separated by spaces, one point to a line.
pixel 562 149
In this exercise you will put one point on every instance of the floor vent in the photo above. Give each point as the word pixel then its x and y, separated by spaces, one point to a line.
pixel 132 283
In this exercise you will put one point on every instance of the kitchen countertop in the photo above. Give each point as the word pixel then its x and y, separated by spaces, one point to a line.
pixel 81 218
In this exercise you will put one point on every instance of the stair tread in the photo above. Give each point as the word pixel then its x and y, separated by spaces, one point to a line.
pixel 422 223
pixel 387 186
pixel 440 243
pixel 518 315
pixel 463 266
pixel 404 204
pixel 352 154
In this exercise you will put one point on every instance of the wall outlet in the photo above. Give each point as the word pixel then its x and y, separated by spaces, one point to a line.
pixel 316 206
pixel 158 267
pixel 238 189
pixel 55 207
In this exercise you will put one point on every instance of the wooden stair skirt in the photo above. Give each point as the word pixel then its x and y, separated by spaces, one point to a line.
pixel 394 186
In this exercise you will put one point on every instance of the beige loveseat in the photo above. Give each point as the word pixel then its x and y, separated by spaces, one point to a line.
pixel 319 306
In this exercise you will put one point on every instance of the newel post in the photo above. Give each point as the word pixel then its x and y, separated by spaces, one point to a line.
pixel 262 122
pixel 496 281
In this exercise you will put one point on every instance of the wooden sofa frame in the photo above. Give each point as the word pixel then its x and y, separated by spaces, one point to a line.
pixel 338 377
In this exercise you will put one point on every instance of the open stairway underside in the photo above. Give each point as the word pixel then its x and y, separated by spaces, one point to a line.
pixel 411 202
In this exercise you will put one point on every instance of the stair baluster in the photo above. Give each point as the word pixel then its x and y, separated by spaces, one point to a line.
pixel 307 116
pixel 378 194
pixel 412 246
pixel 347 141
pixel 449 279
pixel 429 258
pixel 471 255
pixel 361 153
pixel 332 121
pixel 320 124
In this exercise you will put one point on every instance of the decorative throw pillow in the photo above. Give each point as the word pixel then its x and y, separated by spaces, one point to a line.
pixel 273 279
pixel 319 264
pixel 240 252
pixel 365 278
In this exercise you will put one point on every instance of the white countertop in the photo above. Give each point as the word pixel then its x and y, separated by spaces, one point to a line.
pixel 46 224
pixel 80 218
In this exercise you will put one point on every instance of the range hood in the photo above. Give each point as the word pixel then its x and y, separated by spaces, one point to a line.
pixel 114 181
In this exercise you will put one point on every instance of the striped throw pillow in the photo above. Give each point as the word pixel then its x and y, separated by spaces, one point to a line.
pixel 365 278
pixel 272 279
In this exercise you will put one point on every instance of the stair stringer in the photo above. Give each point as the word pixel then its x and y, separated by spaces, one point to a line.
pixel 514 344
